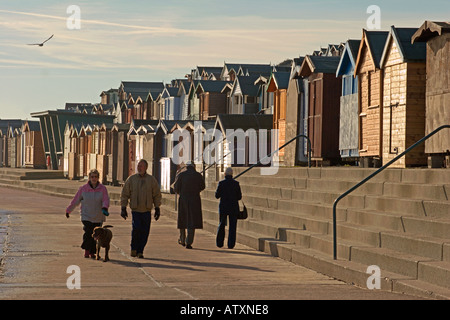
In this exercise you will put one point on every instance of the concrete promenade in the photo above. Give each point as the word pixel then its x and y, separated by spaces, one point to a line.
pixel 39 245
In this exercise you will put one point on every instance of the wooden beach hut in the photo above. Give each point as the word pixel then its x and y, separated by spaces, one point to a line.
pixel 436 35
pixel 145 132
pixel 348 115
pixel 296 152
pixel 404 83
pixel 2 151
pixel 34 156
pixel 278 84
pixel 114 155
pixel 211 99
pixel 323 106
pixel 370 91
pixel 163 167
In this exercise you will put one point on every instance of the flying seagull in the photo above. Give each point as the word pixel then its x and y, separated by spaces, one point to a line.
pixel 40 44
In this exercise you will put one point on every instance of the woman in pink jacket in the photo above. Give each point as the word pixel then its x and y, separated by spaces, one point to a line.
pixel 94 200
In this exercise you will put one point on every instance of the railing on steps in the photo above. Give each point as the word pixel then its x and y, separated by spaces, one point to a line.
pixel 370 177
pixel 272 153
pixel 267 156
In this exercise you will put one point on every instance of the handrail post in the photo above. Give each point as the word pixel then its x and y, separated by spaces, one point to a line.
pixel 370 177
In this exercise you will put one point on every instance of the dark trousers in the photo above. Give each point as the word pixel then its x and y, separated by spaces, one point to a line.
pixel 88 242
pixel 231 230
pixel 140 230
pixel 189 239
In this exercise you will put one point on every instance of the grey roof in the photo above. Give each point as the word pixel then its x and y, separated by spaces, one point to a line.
pixel 281 79
pixel 212 85
pixel 141 86
pixel 430 29
pixel 167 125
pixel 139 122
pixel 154 93
pixel 247 85
pixel 244 121
pixel 376 41
pixel 407 50
pixel 34 125
pixel 171 91
pixel 319 64
pixel 349 55
pixel 256 69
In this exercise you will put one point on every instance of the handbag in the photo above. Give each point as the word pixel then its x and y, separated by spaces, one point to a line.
pixel 242 215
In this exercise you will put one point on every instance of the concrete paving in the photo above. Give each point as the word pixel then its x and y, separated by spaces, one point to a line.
pixel 40 244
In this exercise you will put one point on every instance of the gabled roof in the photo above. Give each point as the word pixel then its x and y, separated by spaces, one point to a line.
pixel 349 55
pixel 31 126
pixel 153 94
pixel 211 85
pixel 167 125
pixel 247 85
pixel 252 69
pixel 374 41
pixel 407 50
pixel 318 64
pixel 243 121
pixel 169 92
pixel 184 88
pixel 206 71
pixel 278 81
pixel 430 29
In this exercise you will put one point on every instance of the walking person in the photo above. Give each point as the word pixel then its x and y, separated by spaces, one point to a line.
pixel 188 184
pixel 94 200
pixel 141 191
pixel 229 193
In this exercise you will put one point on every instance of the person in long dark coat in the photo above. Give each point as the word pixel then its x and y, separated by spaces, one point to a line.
pixel 229 193
pixel 188 184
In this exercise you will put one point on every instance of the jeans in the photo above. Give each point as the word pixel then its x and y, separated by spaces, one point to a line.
pixel 140 230
pixel 231 230
pixel 88 242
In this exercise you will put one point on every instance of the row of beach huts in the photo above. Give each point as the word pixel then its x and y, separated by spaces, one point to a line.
pixel 361 102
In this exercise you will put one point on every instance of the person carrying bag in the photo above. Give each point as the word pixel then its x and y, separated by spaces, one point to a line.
pixel 229 193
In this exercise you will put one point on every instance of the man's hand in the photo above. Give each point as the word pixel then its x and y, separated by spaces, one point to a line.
pixel 124 213
pixel 157 213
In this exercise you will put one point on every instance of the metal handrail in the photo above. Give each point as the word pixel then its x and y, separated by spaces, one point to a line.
pixel 370 177
pixel 272 153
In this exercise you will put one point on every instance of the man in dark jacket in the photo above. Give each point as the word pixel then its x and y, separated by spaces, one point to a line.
pixel 188 184
pixel 229 193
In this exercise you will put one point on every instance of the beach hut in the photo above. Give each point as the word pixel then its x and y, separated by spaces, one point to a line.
pixel 34 156
pixel 236 152
pixel 1 147
pixel 404 83
pixel 436 35
pixel 348 115
pixel 145 131
pixel 183 93
pixel 370 91
pixel 122 152
pixel 324 90
pixel 211 99
pixel 295 153
pixel 72 149
pixel 163 168
pixel 172 107
pixel 244 95
pixel 278 84
pixel 114 154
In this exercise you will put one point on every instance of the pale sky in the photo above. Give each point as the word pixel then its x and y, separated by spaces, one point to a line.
pixel 163 40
